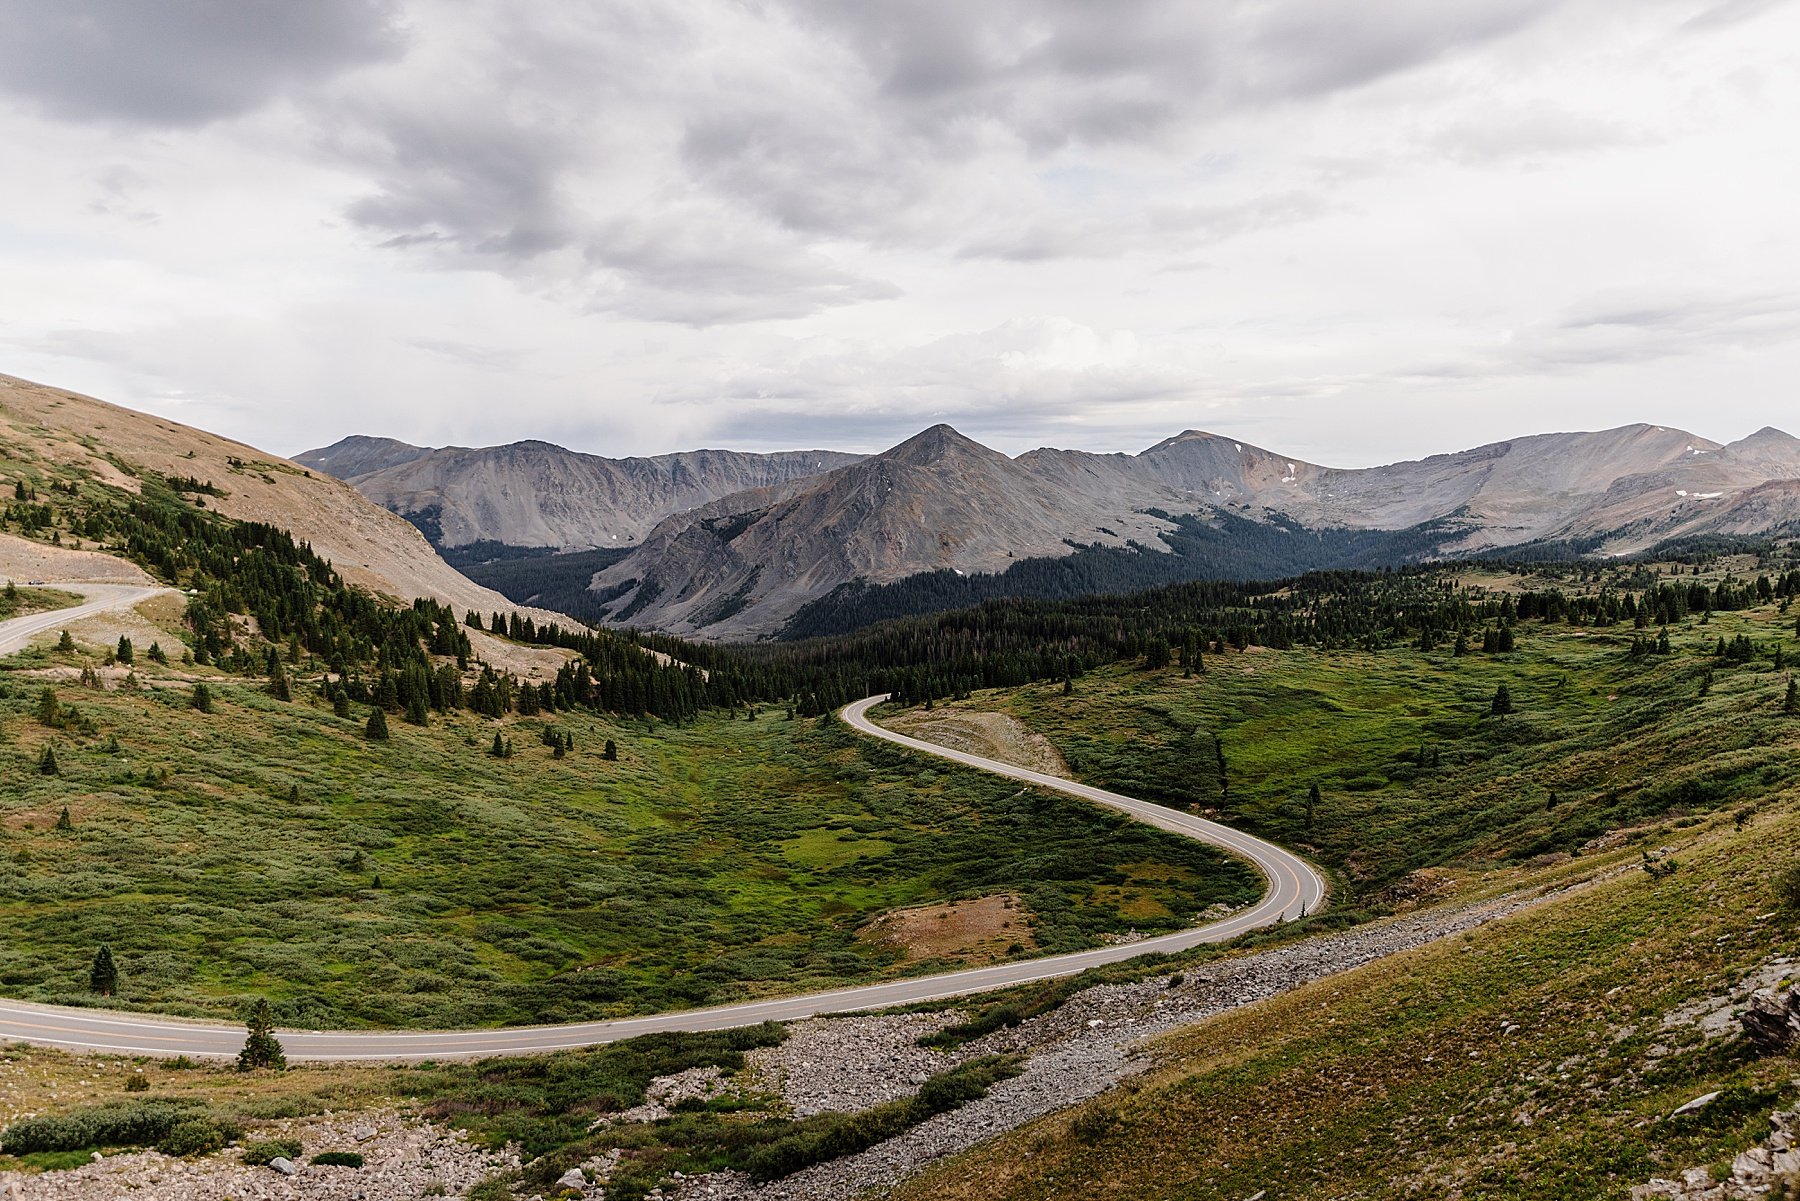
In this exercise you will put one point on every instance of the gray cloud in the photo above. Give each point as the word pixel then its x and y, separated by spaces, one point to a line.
pixel 181 62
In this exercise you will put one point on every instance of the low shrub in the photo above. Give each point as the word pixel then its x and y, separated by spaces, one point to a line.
pixel 198 1135
pixel 258 1152
pixel 122 1124
pixel 341 1159
pixel 833 1135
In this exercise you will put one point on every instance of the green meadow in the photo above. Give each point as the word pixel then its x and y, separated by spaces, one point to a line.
pixel 269 848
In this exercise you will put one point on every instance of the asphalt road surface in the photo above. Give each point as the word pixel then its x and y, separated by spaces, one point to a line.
pixel 16 635
pixel 1294 888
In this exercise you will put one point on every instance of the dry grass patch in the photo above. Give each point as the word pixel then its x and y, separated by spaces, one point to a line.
pixel 979 930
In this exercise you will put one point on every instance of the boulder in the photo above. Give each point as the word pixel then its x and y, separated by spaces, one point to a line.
pixel 572 1179
pixel 1696 1105
pixel 283 1165
pixel 1772 1020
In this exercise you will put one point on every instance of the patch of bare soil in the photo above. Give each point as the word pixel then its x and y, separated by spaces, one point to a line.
pixel 977 931
pixel 23 560
pixel 994 735
pixel 532 664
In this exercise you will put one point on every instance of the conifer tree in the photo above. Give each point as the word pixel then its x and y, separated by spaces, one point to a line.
pixel 124 652
pixel 103 977
pixel 157 654
pixel 415 710
pixel 47 765
pixel 278 686
pixel 377 730
pixel 261 1048
pixel 1312 803
pixel 498 750
pixel 49 710
pixel 1502 703
pixel 610 752
pixel 65 643
pixel 340 702
pixel 1791 705
pixel 64 821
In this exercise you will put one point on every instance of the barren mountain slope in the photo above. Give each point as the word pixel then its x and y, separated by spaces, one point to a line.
pixel 742 564
pixel 938 500
pixel 360 455
pixel 538 494
pixel 370 546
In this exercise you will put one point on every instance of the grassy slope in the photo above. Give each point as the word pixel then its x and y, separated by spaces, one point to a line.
pixel 712 862
pixel 1356 722
pixel 1397 1079
pixel 35 600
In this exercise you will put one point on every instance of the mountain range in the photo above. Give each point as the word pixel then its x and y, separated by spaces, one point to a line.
pixel 727 545
pixel 538 494
pixel 744 564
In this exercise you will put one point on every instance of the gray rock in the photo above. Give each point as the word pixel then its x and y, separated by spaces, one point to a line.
pixel 283 1165
pixel 1696 1105
pixel 1772 1021
pixel 572 1179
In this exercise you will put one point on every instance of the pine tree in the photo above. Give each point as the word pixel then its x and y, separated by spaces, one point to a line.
pixel 1068 686
pixel 1312 804
pixel 261 1048
pixel 157 654
pixel 377 730
pixel 415 710
pixel 202 699
pixel 65 643
pixel 49 710
pixel 1791 705
pixel 103 977
pixel 64 821
pixel 340 702
pixel 47 765
pixel 1502 703
pixel 498 750
pixel 124 652
pixel 278 686
pixel 610 752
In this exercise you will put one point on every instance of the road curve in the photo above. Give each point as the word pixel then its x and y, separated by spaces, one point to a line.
pixel 1294 887
pixel 16 634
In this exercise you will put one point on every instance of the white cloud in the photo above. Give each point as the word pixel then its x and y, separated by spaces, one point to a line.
pixel 639 226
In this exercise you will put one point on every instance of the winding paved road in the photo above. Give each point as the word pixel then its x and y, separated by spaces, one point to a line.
pixel 1294 888
pixel 16 635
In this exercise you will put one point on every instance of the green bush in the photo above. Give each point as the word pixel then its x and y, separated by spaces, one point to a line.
pixel 122 1124
pixel 259 1152
pixel 199 1135
pixel 1787 887
pixel 340 1159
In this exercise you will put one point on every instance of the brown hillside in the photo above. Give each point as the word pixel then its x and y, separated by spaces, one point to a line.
pixel 370 546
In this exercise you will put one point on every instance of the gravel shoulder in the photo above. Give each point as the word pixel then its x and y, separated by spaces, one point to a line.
pixel 1091 1043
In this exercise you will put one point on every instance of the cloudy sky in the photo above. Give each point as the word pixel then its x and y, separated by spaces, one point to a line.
pixel 1352 232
